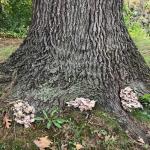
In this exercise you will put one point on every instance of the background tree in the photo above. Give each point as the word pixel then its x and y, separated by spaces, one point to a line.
pixel 15 17
pixel 78 48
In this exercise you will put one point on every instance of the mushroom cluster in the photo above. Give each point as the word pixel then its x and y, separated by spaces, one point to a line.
pixel 82 103
pixel 129 99
pixel 24 113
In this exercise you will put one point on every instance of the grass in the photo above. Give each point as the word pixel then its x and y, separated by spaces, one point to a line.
pixel 143 115
pixel 144 47
pixel 5 52
pixel 101 131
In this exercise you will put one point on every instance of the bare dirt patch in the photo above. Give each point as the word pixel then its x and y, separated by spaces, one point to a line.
pixel 4 42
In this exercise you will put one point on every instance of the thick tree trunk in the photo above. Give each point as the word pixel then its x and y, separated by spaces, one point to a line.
pixel 78 48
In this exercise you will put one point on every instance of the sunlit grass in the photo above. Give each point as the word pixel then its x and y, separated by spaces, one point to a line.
pixel 5 52
pixel 144 47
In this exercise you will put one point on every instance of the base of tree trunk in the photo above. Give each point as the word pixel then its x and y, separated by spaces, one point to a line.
pixel 48 95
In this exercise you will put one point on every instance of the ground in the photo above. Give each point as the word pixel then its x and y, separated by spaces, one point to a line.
pixel 98 131
pixel 7 46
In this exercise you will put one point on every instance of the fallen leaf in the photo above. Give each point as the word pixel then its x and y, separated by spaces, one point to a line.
pixel 79 146
pixel 64 147
pixel 140 140
pixel 43 142
pixel 6 121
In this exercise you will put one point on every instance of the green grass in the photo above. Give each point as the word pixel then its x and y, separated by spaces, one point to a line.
pixel 143 115
pixel 147 59
pixel 144 47
pixel 99 131
pixel 5 52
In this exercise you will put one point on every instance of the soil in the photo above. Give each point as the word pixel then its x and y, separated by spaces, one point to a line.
pixel 4 42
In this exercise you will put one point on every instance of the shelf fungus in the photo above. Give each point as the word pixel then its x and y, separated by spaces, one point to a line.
pixel 129 99
pixel 24 113
pixel 82 103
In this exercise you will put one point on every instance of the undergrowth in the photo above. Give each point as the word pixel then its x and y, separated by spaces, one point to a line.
pixel 15 17
pixel 143 115
pixel 99 131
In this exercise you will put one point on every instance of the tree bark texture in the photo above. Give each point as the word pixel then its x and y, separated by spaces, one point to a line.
pixel 78 48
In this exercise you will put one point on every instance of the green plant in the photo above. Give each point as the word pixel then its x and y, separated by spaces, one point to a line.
pixel 134 24
pixel 145 100
pixel 127 13
pixel 143 115
pixel 2 146
pixel 15 17
pixel 51 118
pixel 110 144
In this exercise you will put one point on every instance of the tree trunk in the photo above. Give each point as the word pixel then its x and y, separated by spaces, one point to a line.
pixel 78 48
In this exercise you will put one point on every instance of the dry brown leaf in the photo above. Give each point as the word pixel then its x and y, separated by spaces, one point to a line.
pixel 43 142
pixel 79 146
pixel 6 121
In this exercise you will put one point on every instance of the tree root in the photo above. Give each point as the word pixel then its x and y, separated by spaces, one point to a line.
pixel 134 129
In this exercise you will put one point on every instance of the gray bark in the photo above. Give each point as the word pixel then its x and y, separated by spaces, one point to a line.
pixel 78 48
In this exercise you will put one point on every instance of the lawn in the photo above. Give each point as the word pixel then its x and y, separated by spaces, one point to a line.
pixel 7 47
pixel 144 47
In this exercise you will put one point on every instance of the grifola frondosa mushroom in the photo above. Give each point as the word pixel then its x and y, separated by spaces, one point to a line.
pixel 24 113
pixel 129 99
pixel 82 103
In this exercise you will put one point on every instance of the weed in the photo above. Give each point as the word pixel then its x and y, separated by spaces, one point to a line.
pixel 143 115
pixel 145 100
pixel 51 119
